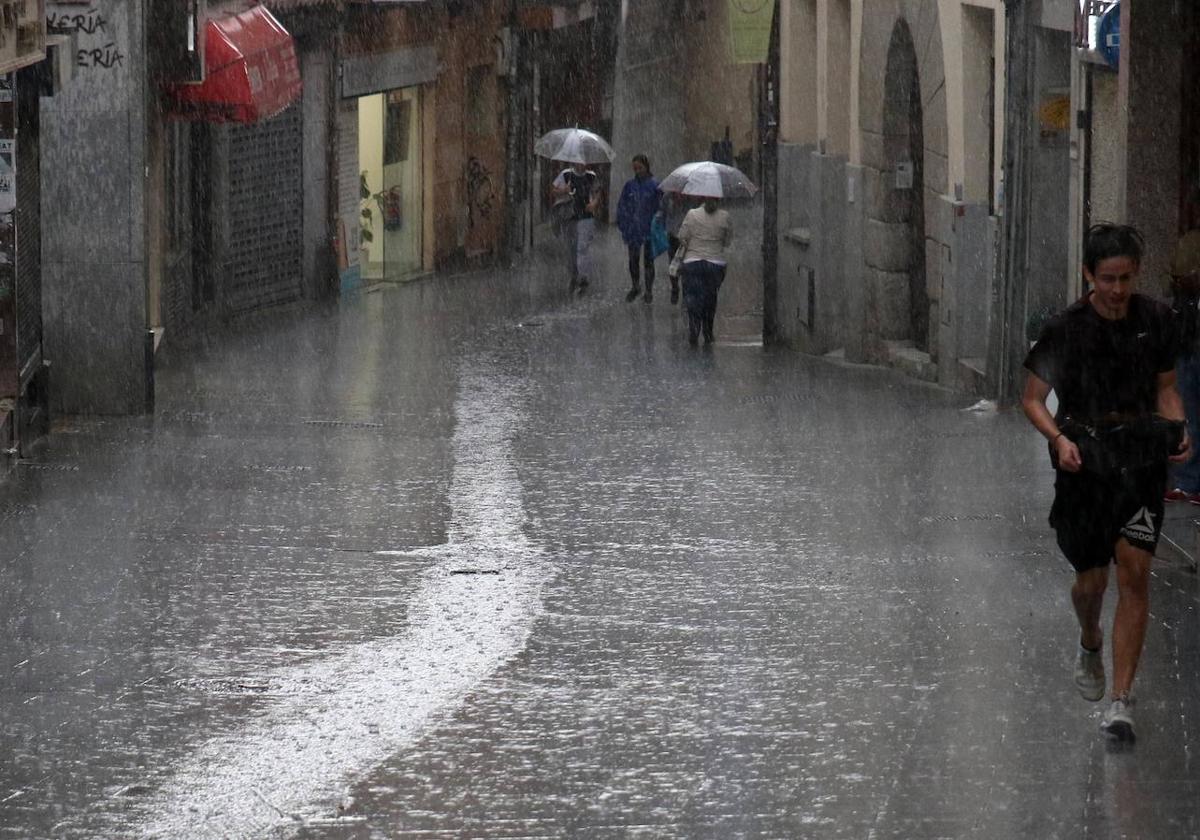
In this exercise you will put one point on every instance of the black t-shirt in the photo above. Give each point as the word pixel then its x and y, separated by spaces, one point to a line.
pixel 582 186
pixel 1099 367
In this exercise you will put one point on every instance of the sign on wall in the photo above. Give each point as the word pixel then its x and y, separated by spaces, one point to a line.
pixel 750 30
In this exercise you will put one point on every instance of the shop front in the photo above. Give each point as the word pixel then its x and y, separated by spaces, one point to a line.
pixel 391 186
pixel 384 154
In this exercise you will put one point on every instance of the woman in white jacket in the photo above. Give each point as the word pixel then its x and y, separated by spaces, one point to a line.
pixel 703 237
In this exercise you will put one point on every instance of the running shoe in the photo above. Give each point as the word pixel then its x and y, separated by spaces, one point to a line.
pixel 1117 723
pixel 1175 495
pixel 1089 674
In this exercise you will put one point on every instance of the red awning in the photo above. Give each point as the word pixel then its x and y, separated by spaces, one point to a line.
pixel 250 71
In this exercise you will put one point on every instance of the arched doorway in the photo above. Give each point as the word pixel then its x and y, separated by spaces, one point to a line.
pixel 904 155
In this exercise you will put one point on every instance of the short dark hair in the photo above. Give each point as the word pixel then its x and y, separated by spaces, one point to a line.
pixel 643 160
pixel 1106 240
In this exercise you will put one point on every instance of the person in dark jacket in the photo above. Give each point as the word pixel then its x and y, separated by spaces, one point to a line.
pixel 636 209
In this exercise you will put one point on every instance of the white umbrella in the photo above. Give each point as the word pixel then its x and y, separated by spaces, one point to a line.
pixel 709 180
pixel 575 145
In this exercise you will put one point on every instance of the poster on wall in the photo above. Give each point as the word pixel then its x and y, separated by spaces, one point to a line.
pixel 8 175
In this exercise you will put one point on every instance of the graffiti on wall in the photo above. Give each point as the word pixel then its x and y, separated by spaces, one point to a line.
pixel 98 49
pixel 481 193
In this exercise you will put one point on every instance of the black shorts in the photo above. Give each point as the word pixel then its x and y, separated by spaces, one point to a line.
pixel 1090 513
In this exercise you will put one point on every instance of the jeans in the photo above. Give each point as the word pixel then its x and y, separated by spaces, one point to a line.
pixel 1186 476
pixel 701 282
pixel 642 252
pixel 580 233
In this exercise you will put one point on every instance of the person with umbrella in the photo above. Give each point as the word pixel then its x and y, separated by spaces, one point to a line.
pixel 704 236
pixel 636 208
pixel 581 186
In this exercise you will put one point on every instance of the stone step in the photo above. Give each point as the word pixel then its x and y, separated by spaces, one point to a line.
pixel 918 364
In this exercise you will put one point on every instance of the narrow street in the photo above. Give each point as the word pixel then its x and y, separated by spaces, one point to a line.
pixel 467 558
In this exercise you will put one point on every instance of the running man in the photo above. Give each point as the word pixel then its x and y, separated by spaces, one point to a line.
pixel 1110 359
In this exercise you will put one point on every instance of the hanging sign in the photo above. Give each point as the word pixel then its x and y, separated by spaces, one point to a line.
pixel 1108 36
pixel 750 30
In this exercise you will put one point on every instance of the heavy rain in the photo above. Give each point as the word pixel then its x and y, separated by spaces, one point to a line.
pixel 599 418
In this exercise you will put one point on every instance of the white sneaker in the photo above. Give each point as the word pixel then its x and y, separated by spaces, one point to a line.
pixel 1118 720
pixel 1089 673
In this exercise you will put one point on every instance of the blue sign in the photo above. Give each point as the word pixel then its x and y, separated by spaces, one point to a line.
pixel 1108 36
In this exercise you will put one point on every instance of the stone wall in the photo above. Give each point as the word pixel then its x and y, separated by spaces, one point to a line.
pixel 94 225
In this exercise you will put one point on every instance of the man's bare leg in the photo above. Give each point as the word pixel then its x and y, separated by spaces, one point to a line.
pixel 1133 609
pixel 1088 597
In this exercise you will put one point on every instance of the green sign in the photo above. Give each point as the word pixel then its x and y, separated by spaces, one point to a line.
pixel 750 30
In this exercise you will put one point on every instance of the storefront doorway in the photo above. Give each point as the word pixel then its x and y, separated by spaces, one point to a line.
pixel 390 185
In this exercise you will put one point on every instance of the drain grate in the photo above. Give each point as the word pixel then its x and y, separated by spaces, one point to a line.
pixel 791 396
pixel 224 685
pixel 966 517
pixel 276 468
pixel 343 424
pixel 189 416
pixel 41 465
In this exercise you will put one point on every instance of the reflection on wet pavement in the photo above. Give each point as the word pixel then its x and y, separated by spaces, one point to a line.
pixel 739 594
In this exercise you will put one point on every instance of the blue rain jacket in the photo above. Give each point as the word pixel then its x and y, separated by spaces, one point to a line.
pixel 636 208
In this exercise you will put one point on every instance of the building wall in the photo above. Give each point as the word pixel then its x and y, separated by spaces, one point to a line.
pixel 316 69
pixel 94 224
pixel 719 94
pixel 1153 51
pixel 843 228
pixel 1107 175
pixel 1049 206
pixel 465 151
pixel 798 32
pixel 677 89
pixel 649 91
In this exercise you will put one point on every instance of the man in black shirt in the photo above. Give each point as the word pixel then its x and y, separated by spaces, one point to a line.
pixel 580 186
pixel 1110 359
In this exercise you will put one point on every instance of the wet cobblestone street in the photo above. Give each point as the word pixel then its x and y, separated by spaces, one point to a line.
pixel 466 558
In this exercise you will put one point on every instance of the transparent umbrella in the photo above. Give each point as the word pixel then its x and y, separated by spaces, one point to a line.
pixel 575 145
pixel 709 180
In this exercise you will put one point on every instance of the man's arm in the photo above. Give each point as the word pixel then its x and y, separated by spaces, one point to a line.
pixel 1033 402
pixel 1170 406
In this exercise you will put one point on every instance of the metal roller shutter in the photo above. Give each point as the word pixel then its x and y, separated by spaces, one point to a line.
pixel 266 208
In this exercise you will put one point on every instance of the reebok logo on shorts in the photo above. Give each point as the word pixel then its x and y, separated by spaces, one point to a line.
pixel 1141 527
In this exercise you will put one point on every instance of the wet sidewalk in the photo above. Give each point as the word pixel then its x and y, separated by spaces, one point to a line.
pixel 467 558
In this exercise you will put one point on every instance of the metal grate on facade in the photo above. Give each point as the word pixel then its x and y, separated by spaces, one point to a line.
pixel 264 265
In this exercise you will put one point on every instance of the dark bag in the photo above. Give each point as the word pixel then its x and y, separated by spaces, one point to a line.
pixel 1116 445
